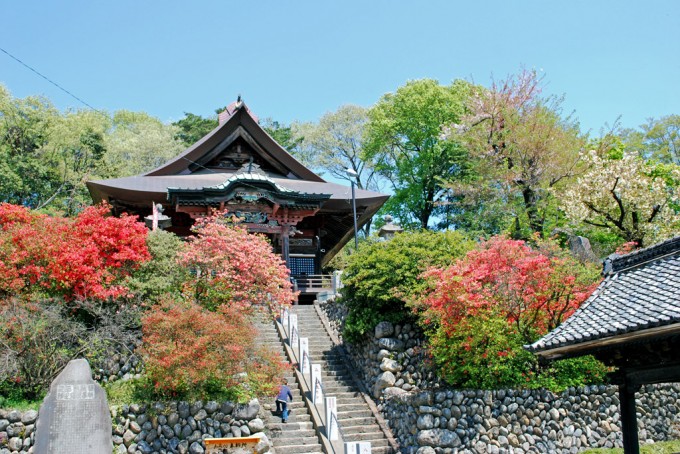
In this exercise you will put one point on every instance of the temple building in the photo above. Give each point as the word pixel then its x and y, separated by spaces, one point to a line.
pixel 240 170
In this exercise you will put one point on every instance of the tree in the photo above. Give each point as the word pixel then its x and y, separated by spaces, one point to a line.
pixel 28 179
pixel 234 267
pixel 483 308
pixel 193 127
pixel 621 193
pixel 138 143
pixel 383 275
pixel 335 144
pixel 283 134
pixel 403 140
pixel 160 275
pixel 657 140
pixel 521 146
pixel 189 350
pixel 88 256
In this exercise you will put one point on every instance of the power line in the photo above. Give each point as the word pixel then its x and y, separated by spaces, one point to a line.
pixel 51 81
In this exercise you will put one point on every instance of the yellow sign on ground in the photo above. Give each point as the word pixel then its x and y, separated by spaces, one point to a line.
pixel 235 445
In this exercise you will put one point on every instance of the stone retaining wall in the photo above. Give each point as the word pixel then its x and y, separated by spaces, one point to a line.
pixel 174 427
pixel 426 417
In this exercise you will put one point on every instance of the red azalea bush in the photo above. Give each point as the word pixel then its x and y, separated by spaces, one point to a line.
pixel 481 310
pixel 84 257
pixel 191 350
pixel 233 266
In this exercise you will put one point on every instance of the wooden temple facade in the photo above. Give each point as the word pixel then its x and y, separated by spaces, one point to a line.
pixel 239 170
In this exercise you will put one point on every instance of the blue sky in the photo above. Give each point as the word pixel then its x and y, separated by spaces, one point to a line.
pixel 296 60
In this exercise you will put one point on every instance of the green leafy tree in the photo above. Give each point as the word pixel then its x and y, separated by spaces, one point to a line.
pixel 403 140
pixel 29 178
pixel 383 275
pixel 138 143
pixel 335 144
pixel 283 134
pixel 193 127
pixel 161 275
pixel 658 140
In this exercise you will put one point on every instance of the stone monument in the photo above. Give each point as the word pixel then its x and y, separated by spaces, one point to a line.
pixel 74 418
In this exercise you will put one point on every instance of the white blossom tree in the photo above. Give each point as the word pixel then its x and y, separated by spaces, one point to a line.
pixel 635 199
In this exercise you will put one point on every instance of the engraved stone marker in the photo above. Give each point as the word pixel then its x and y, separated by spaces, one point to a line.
pixel 74 418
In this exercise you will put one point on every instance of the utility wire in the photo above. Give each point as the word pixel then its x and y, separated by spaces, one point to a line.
pixel 51 81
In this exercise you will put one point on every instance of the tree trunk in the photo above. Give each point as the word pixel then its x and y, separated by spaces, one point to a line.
pixel 530 204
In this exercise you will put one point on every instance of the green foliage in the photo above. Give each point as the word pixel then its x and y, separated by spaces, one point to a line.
pixel 382 275
pixel 520 145
pixel 403 140
pixel 664 447
pixel 283 134
pixel 487 353
pixel 162 274
pixel 483 353
pixel 12 396
pixel 193 127
pixel 137 143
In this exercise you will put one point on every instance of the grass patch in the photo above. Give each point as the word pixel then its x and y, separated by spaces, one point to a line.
pixel 664 447
pixel 121 392
pixel 11 397
pixel 141 390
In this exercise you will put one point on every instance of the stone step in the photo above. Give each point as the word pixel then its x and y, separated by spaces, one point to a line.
pixel 376 438
pixel 345 407
pixel 356 419
pixel 339 390
pixel 277 427
pixel 313 440
pixel 294 433
pixel 297 449
pixel 345 414
pixel 359 422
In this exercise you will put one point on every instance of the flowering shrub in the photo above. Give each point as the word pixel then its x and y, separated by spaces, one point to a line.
pixel 84 257
pixel 233 266
pixel 189 350
pixel 383 275
pixel 482 309
pixel 533 289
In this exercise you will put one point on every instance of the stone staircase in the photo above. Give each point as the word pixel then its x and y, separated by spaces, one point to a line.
pixel 357 421
pixel 298 434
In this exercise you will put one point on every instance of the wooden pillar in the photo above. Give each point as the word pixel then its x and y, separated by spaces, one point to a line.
pixel 285 244
pixel 629 426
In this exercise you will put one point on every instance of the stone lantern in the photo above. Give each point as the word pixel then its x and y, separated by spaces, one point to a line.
pixel 387 231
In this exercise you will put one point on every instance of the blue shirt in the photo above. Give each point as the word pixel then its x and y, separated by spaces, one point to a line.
pixel 284 393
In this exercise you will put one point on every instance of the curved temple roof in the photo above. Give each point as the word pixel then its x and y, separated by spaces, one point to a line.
pixel 221 157
pixel 639 297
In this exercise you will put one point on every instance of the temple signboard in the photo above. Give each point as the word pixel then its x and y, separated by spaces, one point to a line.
pixel 235 445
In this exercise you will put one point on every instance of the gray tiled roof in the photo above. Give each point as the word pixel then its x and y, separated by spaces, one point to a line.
pixel 640 290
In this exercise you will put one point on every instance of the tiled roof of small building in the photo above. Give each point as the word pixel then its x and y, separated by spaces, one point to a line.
pixel 641 290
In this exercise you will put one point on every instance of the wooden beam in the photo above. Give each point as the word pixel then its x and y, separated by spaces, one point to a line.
pixel 629 426
pixel 585 348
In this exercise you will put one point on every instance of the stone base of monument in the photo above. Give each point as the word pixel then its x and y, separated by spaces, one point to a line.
pixel 74 417
pixel 237 445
